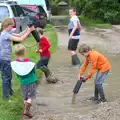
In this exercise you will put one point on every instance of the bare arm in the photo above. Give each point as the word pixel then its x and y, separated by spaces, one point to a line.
pixel 21 38
pixel 74 29
pixel 80 27
pixel 21 33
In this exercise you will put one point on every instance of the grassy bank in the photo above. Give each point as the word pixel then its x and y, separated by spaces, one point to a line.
pixel 91 22
pixel 12 110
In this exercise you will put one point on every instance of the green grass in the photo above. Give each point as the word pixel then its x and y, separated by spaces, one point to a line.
pixel 13 110
pixel 88 22
pixel 91 22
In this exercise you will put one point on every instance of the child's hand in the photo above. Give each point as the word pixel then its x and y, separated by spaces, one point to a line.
pixel 83 78
pixel 40 50
pixel 37 51
pixel 31 28
pixel 70 37
pixel 79 76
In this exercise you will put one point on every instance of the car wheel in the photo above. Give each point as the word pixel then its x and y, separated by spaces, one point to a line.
pixel 20 29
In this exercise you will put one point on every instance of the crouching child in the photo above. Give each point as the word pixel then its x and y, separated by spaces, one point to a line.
pixel 97 62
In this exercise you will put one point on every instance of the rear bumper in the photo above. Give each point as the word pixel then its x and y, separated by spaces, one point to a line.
pixel 41 23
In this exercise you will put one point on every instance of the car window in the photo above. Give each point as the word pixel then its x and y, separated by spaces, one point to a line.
pixel 4 12
pixel 36 9
pixel 28 11
pixel 19 10
pixel 41 9
pixel 14 11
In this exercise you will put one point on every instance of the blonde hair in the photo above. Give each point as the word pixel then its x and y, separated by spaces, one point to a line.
pixel 40 30
pixel 20 50
pixel 6 22
pixel 84 48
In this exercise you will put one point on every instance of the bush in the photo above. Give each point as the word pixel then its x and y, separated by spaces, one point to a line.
pixel 106 10
pixel 91 22
pixel 54 10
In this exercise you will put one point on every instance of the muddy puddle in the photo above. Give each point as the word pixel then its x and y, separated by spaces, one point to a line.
pixel 53 101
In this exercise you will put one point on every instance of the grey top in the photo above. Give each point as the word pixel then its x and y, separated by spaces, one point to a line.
pixel 5 48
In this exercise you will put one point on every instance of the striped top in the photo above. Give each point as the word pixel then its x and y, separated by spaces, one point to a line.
pixel 73 20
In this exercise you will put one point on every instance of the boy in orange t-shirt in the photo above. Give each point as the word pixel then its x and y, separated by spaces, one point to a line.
pixel 98 62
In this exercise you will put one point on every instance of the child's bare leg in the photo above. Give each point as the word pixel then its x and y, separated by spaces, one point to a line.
pixel 29 101
pixel 73 52
pixel 27 106
pixel 25 101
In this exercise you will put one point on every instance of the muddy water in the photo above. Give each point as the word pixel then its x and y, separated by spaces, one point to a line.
pixel 53 101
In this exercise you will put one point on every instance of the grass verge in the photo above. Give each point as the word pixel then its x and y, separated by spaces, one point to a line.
pixel 12 109
pixel 91 22
pixel 84 21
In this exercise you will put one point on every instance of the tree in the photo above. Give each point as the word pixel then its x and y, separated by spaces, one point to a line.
pixel 107 10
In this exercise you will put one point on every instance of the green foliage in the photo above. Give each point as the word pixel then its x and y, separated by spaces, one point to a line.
pixel 78 4
pixel 106 10
pixel 54 10
pixel 57 1
pixel 52 37
pixel 91 22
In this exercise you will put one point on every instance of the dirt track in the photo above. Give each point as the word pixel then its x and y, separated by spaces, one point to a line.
pixel 53 101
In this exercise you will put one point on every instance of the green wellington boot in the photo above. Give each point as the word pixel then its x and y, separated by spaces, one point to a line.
pixel 75 60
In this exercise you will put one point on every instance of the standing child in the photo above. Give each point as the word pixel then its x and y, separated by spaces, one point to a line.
pixel 97 62
pixel 5 51
pixel 74 28
pixel 44 52
pixel 25 70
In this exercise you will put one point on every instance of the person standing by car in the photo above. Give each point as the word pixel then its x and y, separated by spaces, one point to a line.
pixel 74 27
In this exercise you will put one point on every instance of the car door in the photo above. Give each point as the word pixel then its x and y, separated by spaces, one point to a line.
pixel 16 18
pixel 21 18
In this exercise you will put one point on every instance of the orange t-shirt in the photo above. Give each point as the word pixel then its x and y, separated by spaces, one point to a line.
pixel 97 61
